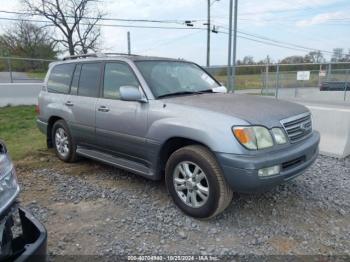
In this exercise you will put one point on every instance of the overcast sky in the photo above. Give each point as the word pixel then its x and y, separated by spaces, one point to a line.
pixel 318 24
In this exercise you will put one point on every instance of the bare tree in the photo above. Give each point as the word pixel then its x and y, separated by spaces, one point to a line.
pixel 77 20
pixel 314 57
pixel 295 59
pixel 24 39
pixel 338 55
pixel 248 60
pixel 27 40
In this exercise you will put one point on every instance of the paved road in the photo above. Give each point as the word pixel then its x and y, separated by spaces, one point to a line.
pixel 17 77
pixel 304 93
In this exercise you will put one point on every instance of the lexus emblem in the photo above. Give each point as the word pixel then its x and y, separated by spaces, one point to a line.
pixel 304 127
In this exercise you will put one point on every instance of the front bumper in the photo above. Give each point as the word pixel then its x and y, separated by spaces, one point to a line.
pixel 241 171
pixel 30 245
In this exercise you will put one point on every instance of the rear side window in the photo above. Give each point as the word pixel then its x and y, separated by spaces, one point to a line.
pixel 89 79
pixel 60 78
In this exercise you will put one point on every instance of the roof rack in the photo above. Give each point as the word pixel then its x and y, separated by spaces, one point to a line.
pixel 79 56
pixel 126 54
pixel 96 55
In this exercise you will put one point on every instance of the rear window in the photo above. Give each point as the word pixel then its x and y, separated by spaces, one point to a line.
pixel 89 79
pixel 60 78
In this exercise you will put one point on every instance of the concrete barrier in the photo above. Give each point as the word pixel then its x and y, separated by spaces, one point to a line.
pixel 332 120
pixel 19 93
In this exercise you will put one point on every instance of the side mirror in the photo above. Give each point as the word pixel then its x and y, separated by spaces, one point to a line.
pixel 220 89
pixel 131 93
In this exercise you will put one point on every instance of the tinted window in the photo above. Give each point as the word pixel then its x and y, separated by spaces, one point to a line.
pixel 117 75
pixel 60 77
pixel 75 80
pixel 89 79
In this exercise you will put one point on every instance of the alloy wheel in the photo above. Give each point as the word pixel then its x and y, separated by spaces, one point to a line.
pixel 191 184
pixel 62 143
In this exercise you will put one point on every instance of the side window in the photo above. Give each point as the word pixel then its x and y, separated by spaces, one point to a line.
pixel 89 79
pixel 75 80
pixel 117 75
pixel 60 78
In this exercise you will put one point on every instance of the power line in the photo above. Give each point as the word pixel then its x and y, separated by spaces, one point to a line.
pixel 108 25
pixel 271 44
pixel 280 42
pixel 105 18
pixel 263 41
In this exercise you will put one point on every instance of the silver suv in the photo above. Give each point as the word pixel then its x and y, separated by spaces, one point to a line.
pixel 164 117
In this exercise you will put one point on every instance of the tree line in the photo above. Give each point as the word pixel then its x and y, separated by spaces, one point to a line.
pixel 314 57
pixel 71 26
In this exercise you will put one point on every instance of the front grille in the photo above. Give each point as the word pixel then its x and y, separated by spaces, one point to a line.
pixel 298 127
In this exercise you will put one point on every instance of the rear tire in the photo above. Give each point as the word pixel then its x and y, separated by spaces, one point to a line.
pixel 63 142
pixel 196 183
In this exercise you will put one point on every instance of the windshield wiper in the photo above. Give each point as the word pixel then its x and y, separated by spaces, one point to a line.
pixel 187 93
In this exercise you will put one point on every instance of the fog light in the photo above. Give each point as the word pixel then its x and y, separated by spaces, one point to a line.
pixel 269 171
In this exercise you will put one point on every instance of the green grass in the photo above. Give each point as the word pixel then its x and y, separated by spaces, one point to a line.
pixel 18 129
pixel 243 81
pixel 37 75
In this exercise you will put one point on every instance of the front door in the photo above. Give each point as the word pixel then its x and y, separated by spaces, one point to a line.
pixel 120 125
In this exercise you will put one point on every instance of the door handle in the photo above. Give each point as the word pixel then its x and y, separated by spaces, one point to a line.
pixel 69 103
pixel 103 109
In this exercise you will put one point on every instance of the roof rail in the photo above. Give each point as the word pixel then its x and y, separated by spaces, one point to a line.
pixel 126 54
pixel 79 56
pixel 96 55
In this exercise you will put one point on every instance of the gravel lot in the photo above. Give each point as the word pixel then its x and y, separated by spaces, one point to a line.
pixel 92 209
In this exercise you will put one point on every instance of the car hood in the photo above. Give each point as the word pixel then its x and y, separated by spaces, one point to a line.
pixel 253 109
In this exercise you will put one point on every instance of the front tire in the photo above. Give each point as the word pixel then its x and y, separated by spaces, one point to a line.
pixel 196 183
pixel 63 142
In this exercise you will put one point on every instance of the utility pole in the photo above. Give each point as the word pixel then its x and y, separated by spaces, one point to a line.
pixel 234 48
pixel 229 68
pixel 208 35
pixel 209 30
pixel 129 47
pixel 231 71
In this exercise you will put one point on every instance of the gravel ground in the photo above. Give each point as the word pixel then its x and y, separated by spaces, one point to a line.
pixel 92 209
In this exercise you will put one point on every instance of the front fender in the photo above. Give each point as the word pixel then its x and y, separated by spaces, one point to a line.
pixel 216 136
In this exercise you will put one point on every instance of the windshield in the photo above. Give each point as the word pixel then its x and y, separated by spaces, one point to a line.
pixel 175 77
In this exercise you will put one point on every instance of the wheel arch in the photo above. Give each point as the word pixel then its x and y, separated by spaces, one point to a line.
pixel 52 120
pixel 170 146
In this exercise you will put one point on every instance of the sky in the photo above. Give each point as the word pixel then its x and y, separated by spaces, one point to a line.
pixel 314 24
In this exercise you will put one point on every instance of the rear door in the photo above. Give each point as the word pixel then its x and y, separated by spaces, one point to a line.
pixel 120 125
pixel 82 101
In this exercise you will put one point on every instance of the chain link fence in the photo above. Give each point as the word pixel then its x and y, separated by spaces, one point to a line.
pixel 317 82
pixel 23 70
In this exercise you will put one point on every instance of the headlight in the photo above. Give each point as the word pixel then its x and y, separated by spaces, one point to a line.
pixel 279 135
pixel 253 137
pixel 8 181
